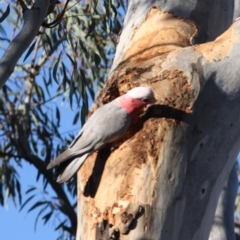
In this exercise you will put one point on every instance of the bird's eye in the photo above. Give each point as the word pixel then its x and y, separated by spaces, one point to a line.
pixel 145 100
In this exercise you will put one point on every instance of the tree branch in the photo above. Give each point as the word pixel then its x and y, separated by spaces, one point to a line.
pixel 25 152
pixel 33 19
pixel 63 199
pixel 58 19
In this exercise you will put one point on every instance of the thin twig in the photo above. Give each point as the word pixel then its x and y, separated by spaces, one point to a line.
pixel 48 100
pixel 36 49
pixel 58 18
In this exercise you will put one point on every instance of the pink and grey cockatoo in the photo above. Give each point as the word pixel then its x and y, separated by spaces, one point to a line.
pixel 106 125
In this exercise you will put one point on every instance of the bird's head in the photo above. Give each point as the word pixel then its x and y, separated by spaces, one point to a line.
pixel 143 94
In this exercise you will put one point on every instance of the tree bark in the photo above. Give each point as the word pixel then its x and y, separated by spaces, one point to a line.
pixel 223 224
pixel 33 18
pixel 164 180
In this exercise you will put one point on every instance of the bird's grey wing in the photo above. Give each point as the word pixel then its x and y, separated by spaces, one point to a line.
pixel 106 125
pixel 79 146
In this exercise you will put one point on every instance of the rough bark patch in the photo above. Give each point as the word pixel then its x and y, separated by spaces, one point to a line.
pixel 160 33
pixel 221 47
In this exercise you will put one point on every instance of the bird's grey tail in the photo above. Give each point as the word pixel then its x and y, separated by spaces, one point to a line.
pixel 72 168
pixel 66 155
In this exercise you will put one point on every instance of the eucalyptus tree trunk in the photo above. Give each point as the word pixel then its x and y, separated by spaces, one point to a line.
pixel 165 178
pixel 223 224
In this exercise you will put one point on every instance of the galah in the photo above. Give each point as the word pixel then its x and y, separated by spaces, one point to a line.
pixel 106 125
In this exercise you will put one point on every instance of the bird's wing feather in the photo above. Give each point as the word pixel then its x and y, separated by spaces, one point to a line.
pixel 69 154
pixel 72 168
pixel 107 124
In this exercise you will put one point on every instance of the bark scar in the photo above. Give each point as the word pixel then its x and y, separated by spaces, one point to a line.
pixel 128 219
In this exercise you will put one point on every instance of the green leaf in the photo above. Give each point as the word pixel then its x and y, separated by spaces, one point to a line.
pixel 5 14
pixel 72 90
pixel 24 204
pixel 45 183
pixel 83 78
pixel 39 214
pixel 107 7
pixel 49 42
pixel 46 84
pixel 1 194
pixel 18 187
pixel 97 59
pixel 45 44
pixel 91 28
pixel 30 190
pixel 60 225
pixel 29 51
pixel 56 67
pixel 114 10
pixel 65 78
pixel 40 93
pixel 47 217
pixel 37 204
pixel 95 4
pixel 58 116
pixel 76 118
pixel 84 49
pixel 73 62
pixel 38 176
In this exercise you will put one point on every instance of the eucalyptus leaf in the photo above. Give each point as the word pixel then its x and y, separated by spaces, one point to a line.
pixel 5 14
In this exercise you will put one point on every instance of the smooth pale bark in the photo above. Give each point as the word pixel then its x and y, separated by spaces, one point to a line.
pixel 223 224
pixel 33 18
pixel 164 180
